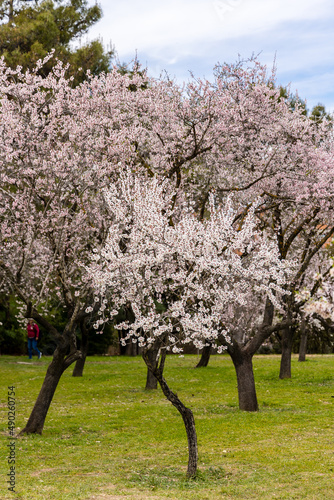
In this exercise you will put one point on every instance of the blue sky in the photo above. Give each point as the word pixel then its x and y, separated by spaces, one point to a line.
pixel 180 36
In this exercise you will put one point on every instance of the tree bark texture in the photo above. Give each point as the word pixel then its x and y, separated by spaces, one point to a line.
pixel 186 413
pixel 80 363
pixel 79 366
pixel 205 357
pixel 189 422
pixel 151 381
pixel 151 358
pixel 286 342
pixel 55 370
pixel 245 378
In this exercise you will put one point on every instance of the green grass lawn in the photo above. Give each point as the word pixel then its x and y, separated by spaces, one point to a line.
pixel 106 438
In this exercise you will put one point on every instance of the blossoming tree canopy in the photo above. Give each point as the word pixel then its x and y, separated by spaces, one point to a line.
pixel 185 281
pixel 54 159
pixel 62 146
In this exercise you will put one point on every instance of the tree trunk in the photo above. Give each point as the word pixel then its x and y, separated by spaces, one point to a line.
pixel 80 363
pixel 303 341
pixel 245 378
pixel 55 370
pixel 151 381
pixel 285 369
pixel 79 366
pixel 186 414
pixel 189 422
pixel 205 357
pixel 152 355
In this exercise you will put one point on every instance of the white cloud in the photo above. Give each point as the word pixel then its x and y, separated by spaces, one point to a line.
pixel 183 35
pixel 149 25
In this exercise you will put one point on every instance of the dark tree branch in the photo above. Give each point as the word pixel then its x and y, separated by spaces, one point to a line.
pixel 298 230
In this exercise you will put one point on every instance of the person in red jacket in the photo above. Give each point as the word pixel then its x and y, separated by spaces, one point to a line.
pixel 33 335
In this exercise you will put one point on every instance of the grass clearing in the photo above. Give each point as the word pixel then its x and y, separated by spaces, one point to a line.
pixel 106 438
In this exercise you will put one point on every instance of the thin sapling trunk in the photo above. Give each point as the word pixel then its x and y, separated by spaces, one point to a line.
pixel 185 412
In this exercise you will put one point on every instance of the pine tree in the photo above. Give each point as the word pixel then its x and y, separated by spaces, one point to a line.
pixel 31 29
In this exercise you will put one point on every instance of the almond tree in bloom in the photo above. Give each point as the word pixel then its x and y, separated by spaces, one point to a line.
pixel 297 194
pixel 54 161
pixel 244 138
pixel 62 146
pixel 238 135
pixel 269 151
pixel 300 216
pixel 188 281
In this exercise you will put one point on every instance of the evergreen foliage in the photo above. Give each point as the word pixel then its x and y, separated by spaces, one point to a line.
pixel 30 30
